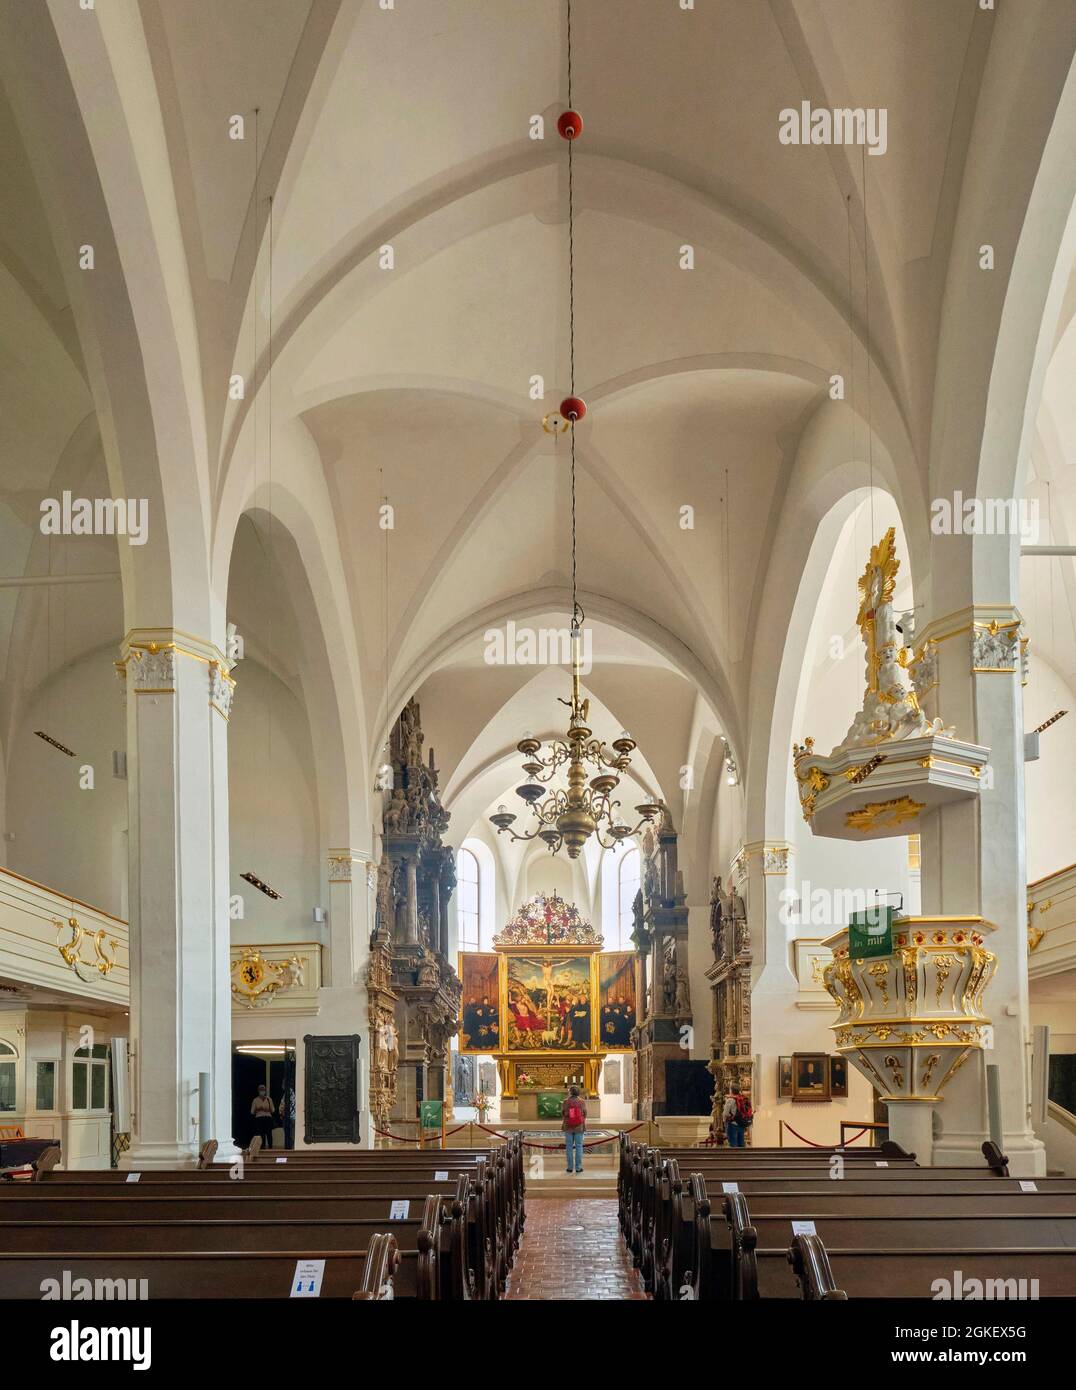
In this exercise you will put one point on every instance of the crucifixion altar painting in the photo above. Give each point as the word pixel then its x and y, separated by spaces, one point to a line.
pixel 549 1003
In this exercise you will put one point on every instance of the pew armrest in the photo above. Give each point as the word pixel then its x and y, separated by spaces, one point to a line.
pixel 996 1161
pixel 810 1264
pixel 382 1261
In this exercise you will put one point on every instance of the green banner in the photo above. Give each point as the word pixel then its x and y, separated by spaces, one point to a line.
pixel 870 933
pixel 549 1103
pixel 429 1114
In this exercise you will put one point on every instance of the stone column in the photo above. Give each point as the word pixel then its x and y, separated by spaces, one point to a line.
pixel 350 916
pixel 436 943
pixel 343 1002
pixel 774 988
pixel 179 697
pixel 412 900
pixel 444 889
pixel 974 861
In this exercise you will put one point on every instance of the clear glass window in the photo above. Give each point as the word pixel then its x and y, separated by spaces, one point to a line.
pixel 628 881
pixel 79 1083
pixel 45 1087
pixel 467 890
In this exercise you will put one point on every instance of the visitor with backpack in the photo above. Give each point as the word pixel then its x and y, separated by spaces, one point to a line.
pixel 738 1118
pixel 573 1121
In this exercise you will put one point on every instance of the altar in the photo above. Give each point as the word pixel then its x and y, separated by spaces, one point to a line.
pixel 548 1005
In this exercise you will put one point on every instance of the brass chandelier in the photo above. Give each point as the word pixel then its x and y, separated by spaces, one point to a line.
pixel 567 819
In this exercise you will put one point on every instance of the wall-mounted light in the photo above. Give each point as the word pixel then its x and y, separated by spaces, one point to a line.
pixel 261 887
pixel 55 743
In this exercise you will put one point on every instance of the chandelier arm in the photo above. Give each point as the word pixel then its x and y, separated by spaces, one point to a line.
pixel 516 835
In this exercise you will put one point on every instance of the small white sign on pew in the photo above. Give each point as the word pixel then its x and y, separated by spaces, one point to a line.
pixel 803 1228
pixel 730 1187
pixel 440 1176
pixel 399 1209
pixel 307 1280
pixel 133 1177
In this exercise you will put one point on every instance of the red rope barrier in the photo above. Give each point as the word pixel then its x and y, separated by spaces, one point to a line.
pixel 406 1138
pixel 825 1146
pixel 533 1144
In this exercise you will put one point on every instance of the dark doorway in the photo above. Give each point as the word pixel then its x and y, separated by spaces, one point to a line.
pixel 269 1064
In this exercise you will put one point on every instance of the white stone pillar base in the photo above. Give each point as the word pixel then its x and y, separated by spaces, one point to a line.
pixel 911 1125
pixel 1027 1158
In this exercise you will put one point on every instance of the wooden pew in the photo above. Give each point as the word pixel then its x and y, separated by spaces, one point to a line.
pixel 658 1217
pixel 483 1264
pixel 380 1272
pixel 823 1274
pixel 145 1249
pixel 491 1204
pixel 645 1218
pixel 739 1256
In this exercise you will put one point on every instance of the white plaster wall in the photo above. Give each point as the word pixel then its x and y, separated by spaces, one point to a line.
pixel 1059 1015
pixel 1051 805
pixel 67 838
pixel 274 830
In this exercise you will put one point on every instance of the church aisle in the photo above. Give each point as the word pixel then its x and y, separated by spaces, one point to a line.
pixel 572 1249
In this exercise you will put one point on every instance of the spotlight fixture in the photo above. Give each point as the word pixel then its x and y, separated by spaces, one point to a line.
pixel 55 743
pixel 261 887
pixel 732 772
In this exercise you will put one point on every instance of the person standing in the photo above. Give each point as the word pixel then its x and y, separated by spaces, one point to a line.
pixel 573 1121
pixel 261 1110
pixel 734 1135
pixel 737 1117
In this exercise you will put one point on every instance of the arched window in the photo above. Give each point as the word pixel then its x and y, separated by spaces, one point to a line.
pixel 467 909
pixel 7 1076
pixel 628 882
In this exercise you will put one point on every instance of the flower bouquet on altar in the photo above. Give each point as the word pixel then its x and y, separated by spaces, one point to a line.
pixel 483 1105
pixel 525 1082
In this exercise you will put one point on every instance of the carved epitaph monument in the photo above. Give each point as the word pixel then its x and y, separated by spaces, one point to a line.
pixel 660 937
pixel 415 882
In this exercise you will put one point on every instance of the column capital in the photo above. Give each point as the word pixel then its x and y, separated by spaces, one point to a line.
pixel 150 656
pixel 775 855
pixel 341 861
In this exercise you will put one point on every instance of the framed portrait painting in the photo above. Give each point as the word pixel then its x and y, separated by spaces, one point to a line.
pixel 784 1078
pixel 838 1077
pixel 810 1076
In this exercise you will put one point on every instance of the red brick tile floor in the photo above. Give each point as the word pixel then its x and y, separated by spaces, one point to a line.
pixel 572 1248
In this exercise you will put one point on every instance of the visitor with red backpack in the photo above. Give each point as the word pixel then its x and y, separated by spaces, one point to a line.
pixel 738 1118
pixel 573 1121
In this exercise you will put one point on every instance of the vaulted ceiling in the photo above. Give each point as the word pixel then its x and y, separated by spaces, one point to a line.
pixel 410 128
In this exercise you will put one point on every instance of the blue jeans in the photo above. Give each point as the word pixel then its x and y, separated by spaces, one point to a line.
pixel 734 1133
pixel 573 1143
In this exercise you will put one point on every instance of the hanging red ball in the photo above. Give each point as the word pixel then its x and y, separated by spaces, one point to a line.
pixel 573 408
pixel 570 125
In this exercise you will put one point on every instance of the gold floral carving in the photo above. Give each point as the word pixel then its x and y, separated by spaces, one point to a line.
pixel 895 1070
pixel 883 813
pixel 942 966
pixel 909 959
pixel 879 973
